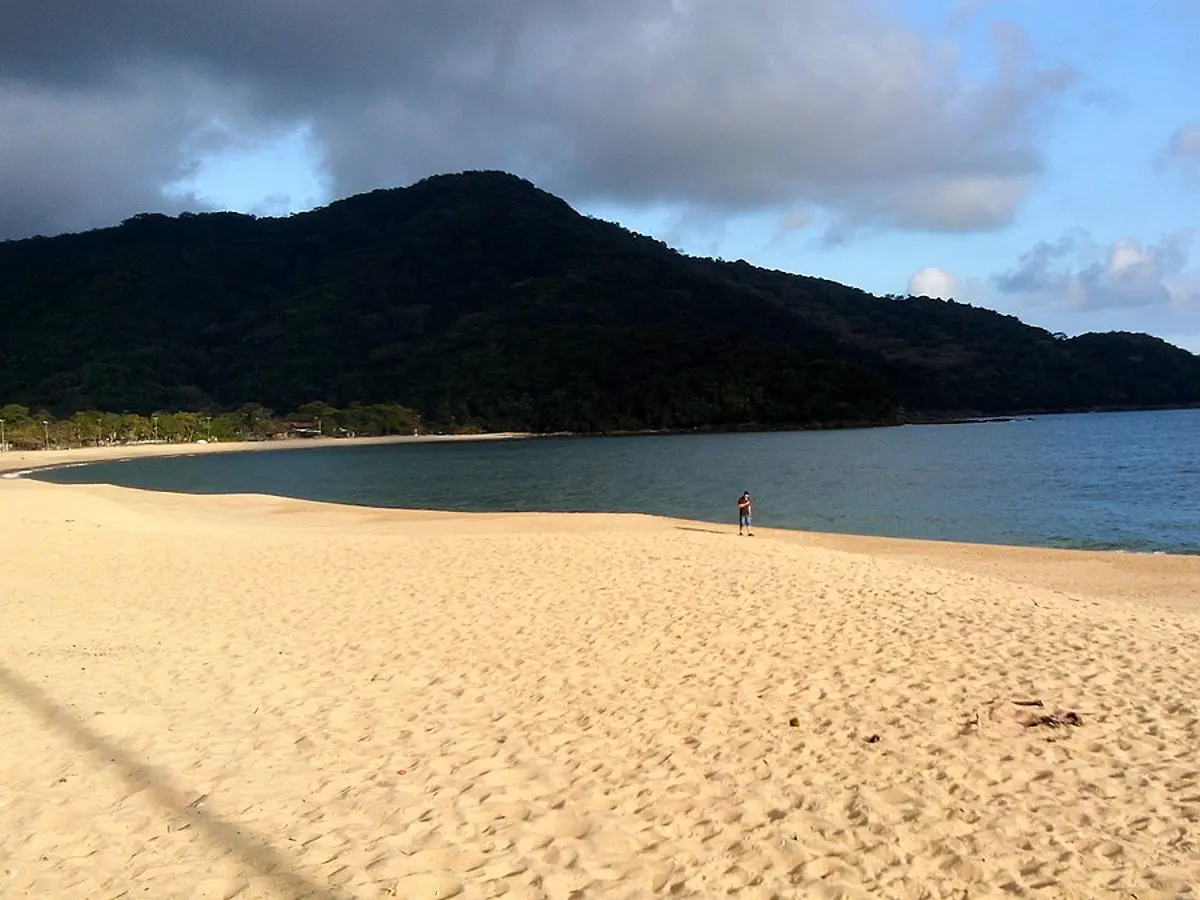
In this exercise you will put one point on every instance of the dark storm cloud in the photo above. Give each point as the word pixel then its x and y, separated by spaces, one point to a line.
pixel 700 103
pixel 68 160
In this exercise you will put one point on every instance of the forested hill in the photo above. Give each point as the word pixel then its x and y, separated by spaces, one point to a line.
pixel 479 299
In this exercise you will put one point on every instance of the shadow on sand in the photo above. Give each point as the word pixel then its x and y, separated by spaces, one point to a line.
pixel 236 838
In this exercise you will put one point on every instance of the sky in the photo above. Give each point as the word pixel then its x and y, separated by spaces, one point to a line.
pixel 1036 157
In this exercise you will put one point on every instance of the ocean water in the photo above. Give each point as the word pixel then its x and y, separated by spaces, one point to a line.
pixel 1128 481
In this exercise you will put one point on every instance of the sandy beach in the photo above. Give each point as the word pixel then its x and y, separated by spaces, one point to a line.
pixel 23 460
pixel 252 697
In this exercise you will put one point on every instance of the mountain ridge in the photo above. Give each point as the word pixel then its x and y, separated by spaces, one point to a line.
pixel 479 298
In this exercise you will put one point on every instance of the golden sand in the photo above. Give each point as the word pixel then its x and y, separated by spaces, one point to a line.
pixel 253 697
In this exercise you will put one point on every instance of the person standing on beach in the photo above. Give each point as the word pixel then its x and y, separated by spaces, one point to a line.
pixel 744 513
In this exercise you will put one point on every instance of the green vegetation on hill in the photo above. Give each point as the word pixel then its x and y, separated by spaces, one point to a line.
pixel 477 300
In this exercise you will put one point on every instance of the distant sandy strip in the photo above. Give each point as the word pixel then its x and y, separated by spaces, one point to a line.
pixel 20 461
pixel 245 696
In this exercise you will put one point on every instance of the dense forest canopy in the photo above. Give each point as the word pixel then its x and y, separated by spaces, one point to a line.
pixel 479 301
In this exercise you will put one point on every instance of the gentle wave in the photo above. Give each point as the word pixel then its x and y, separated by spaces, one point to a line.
pixel 1116 482
pixel 21 473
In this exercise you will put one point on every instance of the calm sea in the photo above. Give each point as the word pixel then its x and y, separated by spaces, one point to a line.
pixel 1103 480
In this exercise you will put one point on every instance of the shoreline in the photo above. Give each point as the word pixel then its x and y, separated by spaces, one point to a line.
pixel 915 420
pixel 15 465
pixel 25 461
pixel 1109 573
pixel 963 418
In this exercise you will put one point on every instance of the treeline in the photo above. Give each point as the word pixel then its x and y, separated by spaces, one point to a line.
pixel 36 429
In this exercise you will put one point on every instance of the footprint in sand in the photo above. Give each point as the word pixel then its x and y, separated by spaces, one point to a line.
pixel 428 886
pixel 507 777
pixel 563 825
pixel 424 862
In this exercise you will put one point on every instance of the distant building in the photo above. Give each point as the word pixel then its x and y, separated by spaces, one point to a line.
pixel 299 430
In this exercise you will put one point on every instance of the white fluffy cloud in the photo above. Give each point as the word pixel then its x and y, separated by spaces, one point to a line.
pixel 933 282
pixel 1078 273
pixel 763 104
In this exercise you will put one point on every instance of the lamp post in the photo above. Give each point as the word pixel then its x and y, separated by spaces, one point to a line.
pixel 208 428
pixel 99 432
pixel 46 432
pixel 155 419
pixel 3 443
pixel 320 430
